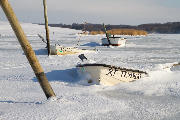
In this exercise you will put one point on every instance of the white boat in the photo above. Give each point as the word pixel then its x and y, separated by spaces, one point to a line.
pixel 62 50
pixel 107 74
pixel 114 41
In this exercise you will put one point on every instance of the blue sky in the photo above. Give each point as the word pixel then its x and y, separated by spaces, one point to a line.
pixel 132 12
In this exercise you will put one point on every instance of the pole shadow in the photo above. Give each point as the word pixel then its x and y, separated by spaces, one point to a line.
pixel 15 102
pixel 67 75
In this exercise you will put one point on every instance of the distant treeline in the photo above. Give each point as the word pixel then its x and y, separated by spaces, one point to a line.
pixel 170 27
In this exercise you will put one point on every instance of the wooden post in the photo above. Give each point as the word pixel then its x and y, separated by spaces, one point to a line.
pixel 106 34
pixel 46 26
pixel 27 48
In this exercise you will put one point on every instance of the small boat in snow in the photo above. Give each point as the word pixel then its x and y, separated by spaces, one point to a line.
pixel 107 74
pixel 114 41
pixel 62 50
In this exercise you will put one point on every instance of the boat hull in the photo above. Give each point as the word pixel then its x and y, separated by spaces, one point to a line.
pixel 109 75
pixel 114 41
pixel 61 50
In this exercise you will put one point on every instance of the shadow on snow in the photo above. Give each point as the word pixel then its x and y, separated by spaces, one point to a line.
pixel 67 75
pixel 91 44
pixel 41 52
pixel 15 102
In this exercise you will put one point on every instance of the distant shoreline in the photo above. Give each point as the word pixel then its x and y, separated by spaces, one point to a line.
pixel 165 28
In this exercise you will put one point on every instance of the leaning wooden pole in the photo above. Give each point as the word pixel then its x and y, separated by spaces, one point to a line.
pixel 27 48
pixel 106 34
pixel 46 26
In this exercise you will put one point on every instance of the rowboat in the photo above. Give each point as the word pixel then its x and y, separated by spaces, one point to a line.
pixel 113 41
pixel 62 50
pixel 108 75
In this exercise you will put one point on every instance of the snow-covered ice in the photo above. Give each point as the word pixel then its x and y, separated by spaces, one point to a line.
pixel 152 98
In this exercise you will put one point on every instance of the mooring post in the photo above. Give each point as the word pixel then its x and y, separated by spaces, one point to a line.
pixel 46 26
pixel 107 35
pixel 27 49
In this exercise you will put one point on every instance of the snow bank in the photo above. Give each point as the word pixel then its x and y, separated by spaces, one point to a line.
pixel 154 97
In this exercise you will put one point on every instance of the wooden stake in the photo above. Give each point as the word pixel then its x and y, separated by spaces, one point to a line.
pixel 27 48
pixel 46 26
pixel 106 34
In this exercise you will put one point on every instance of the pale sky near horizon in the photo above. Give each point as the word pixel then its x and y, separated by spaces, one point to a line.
pixel 131 12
